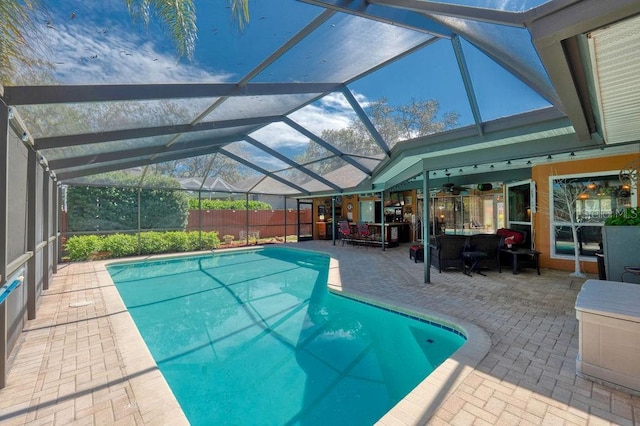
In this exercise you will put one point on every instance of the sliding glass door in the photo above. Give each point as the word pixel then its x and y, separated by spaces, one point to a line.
pixel 520 204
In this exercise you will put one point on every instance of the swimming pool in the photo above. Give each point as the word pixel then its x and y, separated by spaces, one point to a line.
pixel 254 337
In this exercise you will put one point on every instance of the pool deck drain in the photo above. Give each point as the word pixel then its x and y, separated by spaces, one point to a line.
pixel 87 364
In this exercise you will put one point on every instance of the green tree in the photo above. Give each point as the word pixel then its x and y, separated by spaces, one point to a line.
pixel 15 16
pixel 393 123
pixel 202 166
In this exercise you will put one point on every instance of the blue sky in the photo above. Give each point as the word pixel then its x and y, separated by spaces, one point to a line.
pixel 101 44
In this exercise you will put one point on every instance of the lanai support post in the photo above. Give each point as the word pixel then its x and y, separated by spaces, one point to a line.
pixel 425 226
pixel 285 218
pixel 139 219
pixel 246 216
pixel 200 218
pixel 59 226
pixel 46 211
pixel 4 201
pixel 55 197
pixel 333 219
pixel 32 189
pixel 382 232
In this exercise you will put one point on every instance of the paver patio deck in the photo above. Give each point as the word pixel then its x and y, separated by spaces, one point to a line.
pixel 82 360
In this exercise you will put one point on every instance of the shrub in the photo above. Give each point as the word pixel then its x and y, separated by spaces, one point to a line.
pixel 178 241
pixel 153 242
pixel 210 240
pixel 627 217
pixel 120 245
pixel 79 247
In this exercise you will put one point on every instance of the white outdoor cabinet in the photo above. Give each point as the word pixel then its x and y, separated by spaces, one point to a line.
pixel 608 313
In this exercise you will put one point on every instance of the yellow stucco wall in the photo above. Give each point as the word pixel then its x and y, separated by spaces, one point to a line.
pixel 540 174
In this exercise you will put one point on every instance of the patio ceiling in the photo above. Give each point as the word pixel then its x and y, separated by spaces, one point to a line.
pixel 295 104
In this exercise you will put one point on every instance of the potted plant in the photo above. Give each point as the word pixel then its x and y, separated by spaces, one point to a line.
pixel 621 243
pixel 228 239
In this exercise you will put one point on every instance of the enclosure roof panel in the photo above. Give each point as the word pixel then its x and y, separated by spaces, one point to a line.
pixel 319 97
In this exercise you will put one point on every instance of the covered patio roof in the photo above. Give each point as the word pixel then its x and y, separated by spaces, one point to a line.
pixel 325 97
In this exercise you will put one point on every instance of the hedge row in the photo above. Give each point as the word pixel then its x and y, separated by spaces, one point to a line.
pixel 92 208
pixel 82 247
pixel 228 204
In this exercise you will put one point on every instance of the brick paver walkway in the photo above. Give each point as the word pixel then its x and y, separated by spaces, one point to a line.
pixel 83 362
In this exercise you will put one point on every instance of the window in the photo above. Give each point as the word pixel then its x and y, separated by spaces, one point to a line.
pixel 367 211
pixel 584 201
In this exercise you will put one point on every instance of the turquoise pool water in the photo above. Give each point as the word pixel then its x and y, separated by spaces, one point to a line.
pixel 254 337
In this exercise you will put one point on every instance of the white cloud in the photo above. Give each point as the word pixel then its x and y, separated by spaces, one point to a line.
pixel 279 135
pixel 84 55
pixel 332 112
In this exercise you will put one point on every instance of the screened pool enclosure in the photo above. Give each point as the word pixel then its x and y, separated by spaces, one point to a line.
pixel 312 98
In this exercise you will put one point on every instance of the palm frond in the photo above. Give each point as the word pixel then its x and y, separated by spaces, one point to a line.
pixel 240 11
pixel 178 15
pixel 13 46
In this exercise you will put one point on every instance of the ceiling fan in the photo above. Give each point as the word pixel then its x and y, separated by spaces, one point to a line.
pixel 450 188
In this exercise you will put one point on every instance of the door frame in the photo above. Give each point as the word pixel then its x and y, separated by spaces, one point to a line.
pixel 310 204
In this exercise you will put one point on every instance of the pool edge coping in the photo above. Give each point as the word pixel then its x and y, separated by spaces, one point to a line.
pixel 417 407
pixel 153 395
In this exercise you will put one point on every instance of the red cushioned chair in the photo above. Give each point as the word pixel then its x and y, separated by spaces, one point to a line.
pixel 512 237
pixel 345 231
pixel 364 233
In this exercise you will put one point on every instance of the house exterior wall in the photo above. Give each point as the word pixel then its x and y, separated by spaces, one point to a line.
pixel 541 219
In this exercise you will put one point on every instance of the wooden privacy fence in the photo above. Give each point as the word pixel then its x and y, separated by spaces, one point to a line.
pixel 239 223
pixel 258 223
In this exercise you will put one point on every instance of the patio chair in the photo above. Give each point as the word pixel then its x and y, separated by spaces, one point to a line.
pixel 446 251
pixel 486 243
pixel 364 233
pixel 345 231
